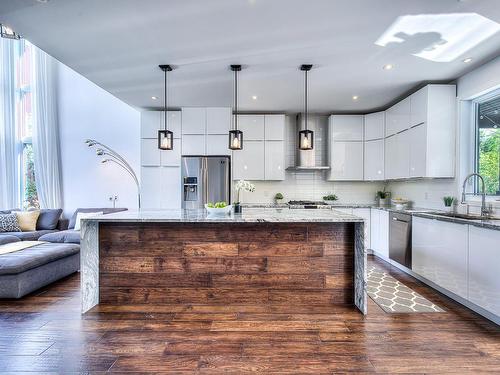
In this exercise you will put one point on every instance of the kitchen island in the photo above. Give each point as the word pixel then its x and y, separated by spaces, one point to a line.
pixel 274 257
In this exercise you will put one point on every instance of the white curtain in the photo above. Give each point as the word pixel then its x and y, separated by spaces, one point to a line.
pixel 9 159
pixel 46 147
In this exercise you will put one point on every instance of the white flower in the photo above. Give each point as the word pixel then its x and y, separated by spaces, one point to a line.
pixel 245 186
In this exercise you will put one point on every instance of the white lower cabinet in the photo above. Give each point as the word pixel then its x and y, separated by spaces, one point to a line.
pixel 248 164
pixel 439 253
pixel 484 268
pixel 379 232
pixel 161 187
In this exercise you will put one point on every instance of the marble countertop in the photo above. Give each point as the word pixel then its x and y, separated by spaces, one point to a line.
pixel 249 215
pixel 427 213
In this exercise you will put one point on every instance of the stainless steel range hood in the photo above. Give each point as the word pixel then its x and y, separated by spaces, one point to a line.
pixel 315 159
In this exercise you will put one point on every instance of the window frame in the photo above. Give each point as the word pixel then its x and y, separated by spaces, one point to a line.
pixel 475 110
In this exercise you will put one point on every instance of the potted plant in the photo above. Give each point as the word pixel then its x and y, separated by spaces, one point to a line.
pixel 330 198
pixel 278 198
pixel 245 186
pixel 383 196
pixel 448 202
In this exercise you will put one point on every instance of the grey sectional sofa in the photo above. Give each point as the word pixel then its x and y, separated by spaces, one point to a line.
pixel 49 221
pixel 27 270
pixel 24 271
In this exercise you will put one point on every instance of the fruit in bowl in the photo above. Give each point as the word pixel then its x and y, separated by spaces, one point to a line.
pixel 218 208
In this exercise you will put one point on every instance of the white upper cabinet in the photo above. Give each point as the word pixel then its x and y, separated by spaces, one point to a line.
pixel 274 168
pixel 375 126
pixel 150 153
pixel 160 188
pixel 418 106
pixel 218 120
pixel 218 144
pixel 152 121
pixel 346 127
pixel 418 151
pixel 194 144
pixel 252 127
pixel 274 127
pixel 397 156
pixel 397 118
pixel 346 161
pixel 194 120
pixel 374 160
pixel 248 164
pixel 484 266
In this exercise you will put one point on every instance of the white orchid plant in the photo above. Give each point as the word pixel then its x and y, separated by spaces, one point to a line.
pixel 245 186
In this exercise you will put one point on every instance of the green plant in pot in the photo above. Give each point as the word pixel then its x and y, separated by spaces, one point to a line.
pixel 278 198
pixel 448 202
pixel 330 198
pixel 383 197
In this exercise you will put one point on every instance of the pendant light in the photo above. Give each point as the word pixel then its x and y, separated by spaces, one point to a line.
pixel 306 137
pixel 235 135
pixel 165 136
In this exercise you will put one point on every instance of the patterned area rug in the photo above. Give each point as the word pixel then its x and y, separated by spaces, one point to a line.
pixel 394 297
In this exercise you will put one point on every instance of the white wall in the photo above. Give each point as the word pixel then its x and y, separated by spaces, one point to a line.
pixel 429 193
pixel 87 111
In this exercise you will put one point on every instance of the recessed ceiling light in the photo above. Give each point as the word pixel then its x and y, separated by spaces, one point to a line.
pixel 355 97
pixel 467 60
pixel 154 97
pixel 254 97
pixel 388 67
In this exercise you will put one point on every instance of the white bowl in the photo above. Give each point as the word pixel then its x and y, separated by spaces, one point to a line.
pixel 219 211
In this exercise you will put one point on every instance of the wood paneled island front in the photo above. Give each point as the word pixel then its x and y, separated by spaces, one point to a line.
pixel 274 257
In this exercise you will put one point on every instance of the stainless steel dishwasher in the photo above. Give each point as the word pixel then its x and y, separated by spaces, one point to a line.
pixel 400 238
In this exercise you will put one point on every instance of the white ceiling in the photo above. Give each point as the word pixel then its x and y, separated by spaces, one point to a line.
pixel 118 44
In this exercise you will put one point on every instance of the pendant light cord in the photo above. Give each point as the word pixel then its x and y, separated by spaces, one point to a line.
pixel 236 100
pixel 165 107
pixel 305 99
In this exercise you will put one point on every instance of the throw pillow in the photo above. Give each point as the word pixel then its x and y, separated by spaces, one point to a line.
pixel 84 215
pixel 27 220
pixel 48 218
pixel 9 223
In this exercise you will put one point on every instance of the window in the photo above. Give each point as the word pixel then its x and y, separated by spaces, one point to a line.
pixel 487 116
pixel 23 58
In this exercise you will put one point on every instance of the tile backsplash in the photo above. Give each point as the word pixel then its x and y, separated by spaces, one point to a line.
pixel 311 185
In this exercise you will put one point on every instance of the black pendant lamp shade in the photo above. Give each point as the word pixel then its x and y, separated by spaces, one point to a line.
pixel 235 135
pixel 306 137
pixel 165 136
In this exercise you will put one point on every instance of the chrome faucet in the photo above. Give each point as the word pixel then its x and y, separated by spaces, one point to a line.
pixel 484 210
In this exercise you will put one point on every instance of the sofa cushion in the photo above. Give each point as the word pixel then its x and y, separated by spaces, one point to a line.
pixel 23 260
pixel 30 236
pixel 48 218
pixel 27 220
pixel 103 210
pixel 64 236
pixel 9 223
pixel 5 238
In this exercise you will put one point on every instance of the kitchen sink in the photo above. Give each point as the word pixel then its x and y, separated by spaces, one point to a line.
pixel 463 216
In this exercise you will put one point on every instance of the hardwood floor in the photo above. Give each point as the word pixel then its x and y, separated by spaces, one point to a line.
pixel 44 332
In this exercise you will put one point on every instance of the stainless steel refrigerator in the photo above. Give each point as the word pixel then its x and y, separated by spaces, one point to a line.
pixel 205 179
